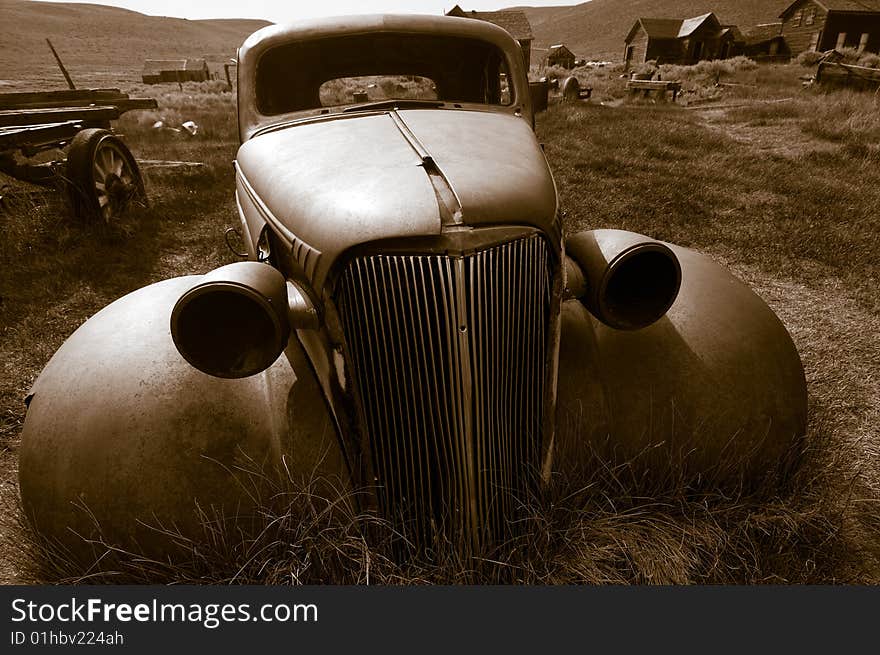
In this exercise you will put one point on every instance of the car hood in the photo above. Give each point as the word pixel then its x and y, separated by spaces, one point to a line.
pixel 335 182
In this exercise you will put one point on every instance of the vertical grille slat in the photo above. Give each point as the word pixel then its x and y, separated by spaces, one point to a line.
pixel 447 353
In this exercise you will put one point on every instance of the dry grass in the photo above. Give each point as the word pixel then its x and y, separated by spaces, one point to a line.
pixel 55 272
pixel 799 225
pixel 604 528
pixel 662 171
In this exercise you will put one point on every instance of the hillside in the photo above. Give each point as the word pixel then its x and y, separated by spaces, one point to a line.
pixel 103 45
pixel 596 29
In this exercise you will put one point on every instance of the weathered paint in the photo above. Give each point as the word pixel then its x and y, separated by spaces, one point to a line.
pixel 122 431
pixel 714 388
pixel 365 178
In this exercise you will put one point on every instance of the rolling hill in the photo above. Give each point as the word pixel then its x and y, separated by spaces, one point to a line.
pixel 103 45
pixel 597 29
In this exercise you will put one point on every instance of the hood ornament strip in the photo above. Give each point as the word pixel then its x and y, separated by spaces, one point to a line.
pixel 451 213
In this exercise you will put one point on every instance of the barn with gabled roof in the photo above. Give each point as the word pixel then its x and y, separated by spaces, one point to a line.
pixel 514 21
pixel 681 40
pixel 560 55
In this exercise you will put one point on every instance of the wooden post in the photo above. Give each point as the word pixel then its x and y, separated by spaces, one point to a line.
pixel 61 66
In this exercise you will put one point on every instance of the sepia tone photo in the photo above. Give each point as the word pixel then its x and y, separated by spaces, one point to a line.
pixel 400 292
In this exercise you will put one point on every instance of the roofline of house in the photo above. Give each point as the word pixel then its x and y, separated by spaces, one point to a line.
pixel 632 29
pixel 827 10
pixel 705 17
pixel 795 3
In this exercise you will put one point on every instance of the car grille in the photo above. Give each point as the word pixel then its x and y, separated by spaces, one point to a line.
pixel 448 354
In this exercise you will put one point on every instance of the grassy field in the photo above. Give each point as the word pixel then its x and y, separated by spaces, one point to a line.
pixel 779 183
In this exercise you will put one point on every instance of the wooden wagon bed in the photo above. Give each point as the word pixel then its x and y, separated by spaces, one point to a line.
pixel 31 121
pixel 74 98
pixel 100 174
pixel 836 73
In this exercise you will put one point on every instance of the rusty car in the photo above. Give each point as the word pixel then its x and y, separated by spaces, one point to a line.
pixel 412 319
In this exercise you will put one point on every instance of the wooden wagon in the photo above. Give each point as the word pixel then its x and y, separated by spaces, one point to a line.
pixel 658 87
pixel 100 175
pixel 835 73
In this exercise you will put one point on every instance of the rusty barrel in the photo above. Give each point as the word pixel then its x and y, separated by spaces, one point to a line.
pixel 539 92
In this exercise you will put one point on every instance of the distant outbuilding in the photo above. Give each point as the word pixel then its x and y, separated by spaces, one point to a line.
pixel 157 71
pixel 766 42
pixel 682 40
pixel 513 20
pixel 559 55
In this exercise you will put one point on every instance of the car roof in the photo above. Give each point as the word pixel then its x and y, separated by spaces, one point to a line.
pixel 250 120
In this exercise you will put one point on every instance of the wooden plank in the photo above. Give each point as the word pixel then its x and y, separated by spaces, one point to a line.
pixel 847 74
pixel 704 105
pixel 162 163
pixel 21 100
pixel 39 116
pixel 135 103
pixel 57 101
pixel 12 138
pixel 61 65
pixel 653 85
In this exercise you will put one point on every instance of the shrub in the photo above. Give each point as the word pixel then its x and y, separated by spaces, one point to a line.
pixel 850 55
pixel 714 70
pixel 809 58
pixel 555 72
pixel 870 60
pixel 608 83
pixel 742 63
pixel 648 68
pixel 708 71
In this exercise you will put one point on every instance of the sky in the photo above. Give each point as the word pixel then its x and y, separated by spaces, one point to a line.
pixel 283 10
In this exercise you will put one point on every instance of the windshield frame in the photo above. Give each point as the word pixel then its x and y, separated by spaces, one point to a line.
pixel 462 67
pixel 252 120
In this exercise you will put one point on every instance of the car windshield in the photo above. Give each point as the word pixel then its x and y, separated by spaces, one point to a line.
pixel 382 66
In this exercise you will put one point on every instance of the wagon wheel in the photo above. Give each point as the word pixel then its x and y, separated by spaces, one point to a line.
pixel 102 175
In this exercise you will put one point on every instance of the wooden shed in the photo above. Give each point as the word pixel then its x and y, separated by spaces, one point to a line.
pixel 681 41
pixel 822 25
pixel 765 42
pixel 559 55
pixel 513 20
pixel 158 71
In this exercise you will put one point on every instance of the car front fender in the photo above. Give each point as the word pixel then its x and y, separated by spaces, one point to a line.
pixel 714 388
pixel 124 439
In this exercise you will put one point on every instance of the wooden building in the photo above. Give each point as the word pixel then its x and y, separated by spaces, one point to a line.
pixel 513 20
pixel 682 41
pixel 559 55
pixel 158 71
pixel 822 25
pixel 765 42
